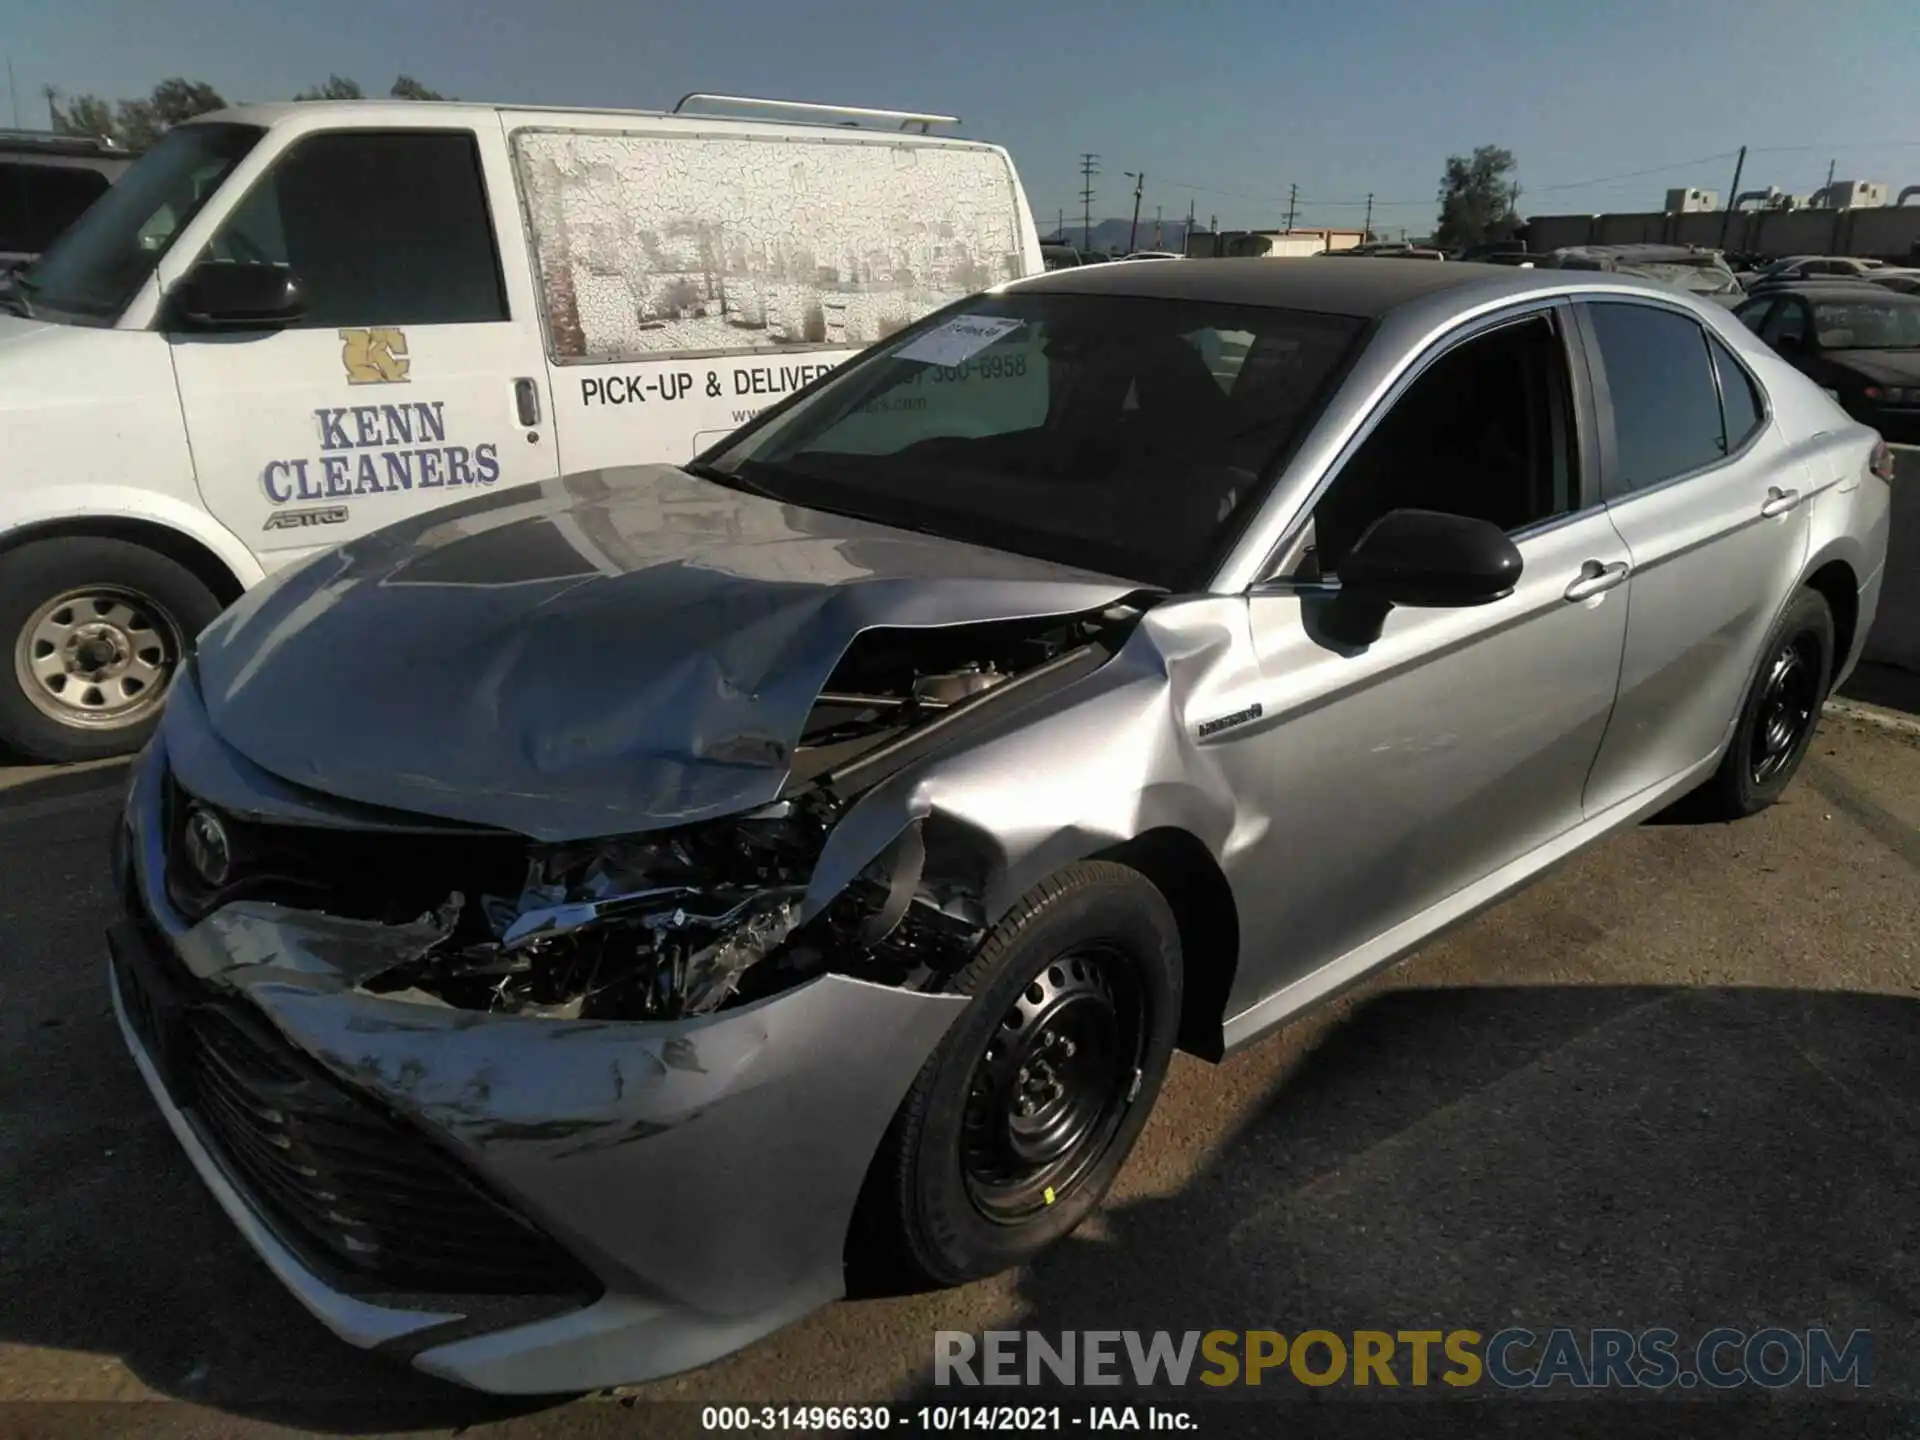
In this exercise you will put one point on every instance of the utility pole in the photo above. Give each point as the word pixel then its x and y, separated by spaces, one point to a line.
pixel 1159 236
pixel 1139 184
pixel 1825 197
pixel 1733 197
pixel 1061 230
pixel 1293 196
pixel 13 93
pixel 53 115
pixel 1089 167
pixel 1366 228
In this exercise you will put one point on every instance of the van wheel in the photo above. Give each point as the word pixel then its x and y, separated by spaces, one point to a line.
pixel 96 629
pixel 1022 1116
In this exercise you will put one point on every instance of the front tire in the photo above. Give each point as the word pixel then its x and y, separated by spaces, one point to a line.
pixel 1779 714
pixel 94 630
pixel 1021 1118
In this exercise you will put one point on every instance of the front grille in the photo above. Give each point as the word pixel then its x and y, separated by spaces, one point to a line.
pixel 385 875
pixel 349 1185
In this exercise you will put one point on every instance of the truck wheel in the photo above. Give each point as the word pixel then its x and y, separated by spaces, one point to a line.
pixel 95 629
pixel 1022 1116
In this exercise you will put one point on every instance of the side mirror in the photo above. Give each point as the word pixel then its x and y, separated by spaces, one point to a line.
pixel 238 295
pixel 1424 557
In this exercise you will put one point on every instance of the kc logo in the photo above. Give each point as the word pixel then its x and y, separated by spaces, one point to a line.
pixel 375 357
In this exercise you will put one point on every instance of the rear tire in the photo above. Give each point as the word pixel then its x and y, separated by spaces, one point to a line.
pixel 1020 1119
pixel 93 631
pixel 1779 714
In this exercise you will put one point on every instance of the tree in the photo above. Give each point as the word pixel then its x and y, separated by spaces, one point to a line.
pixel 1477 198
pixel 339 87
pixel 336 88
pixel 405 87
pixel 86 115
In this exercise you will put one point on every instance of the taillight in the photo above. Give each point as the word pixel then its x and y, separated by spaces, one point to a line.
pixel 1881 461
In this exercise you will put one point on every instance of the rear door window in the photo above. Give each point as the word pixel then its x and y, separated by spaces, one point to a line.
pixel 1740 405
pixel 1666 404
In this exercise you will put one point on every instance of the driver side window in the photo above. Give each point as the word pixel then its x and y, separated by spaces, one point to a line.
pixel 383 228
pixel 1485 431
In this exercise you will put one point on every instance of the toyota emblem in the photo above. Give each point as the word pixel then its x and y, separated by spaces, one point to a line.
pixel 209 850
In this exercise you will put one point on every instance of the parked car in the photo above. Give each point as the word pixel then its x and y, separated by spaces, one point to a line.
pixel 1859 343
pixel 1699 272
pixel 288 325
pixel 1812 267
pixel 1904 281
pixel 46 181
pixel 1059 257
pixel 1154 255
pixel 1036 693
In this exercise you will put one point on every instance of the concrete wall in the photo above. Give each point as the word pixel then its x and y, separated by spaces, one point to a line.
pixel 1895 637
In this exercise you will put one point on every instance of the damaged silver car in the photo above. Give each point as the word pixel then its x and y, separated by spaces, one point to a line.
pixel 573 930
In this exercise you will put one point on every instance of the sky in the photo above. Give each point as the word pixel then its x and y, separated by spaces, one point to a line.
pixel 1223 104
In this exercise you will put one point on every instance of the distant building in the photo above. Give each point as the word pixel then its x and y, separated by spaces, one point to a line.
pixel 1851 195
pixel 1691 201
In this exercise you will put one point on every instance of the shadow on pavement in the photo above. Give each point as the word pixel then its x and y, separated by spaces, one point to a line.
pixel 1448 1158
pixel 1475 1159
pixel 1884 685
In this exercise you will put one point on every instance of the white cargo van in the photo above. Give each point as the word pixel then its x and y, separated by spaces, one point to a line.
pixel 288 325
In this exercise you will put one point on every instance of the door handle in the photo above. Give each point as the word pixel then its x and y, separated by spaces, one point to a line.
pixel 1779 501
pixel 526 400
pixel 1596 579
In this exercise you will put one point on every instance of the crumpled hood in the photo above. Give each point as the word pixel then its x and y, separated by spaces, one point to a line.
pixel 614 651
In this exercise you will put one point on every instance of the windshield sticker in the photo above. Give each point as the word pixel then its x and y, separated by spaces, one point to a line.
pixel 957 341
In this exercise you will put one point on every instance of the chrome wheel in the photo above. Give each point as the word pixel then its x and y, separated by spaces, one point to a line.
pixel 98 658
pixel 1052 1086
pixel 1789 697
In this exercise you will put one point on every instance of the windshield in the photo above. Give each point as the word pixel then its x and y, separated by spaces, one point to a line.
pixel 1124 435
pixel 98 265
pixel 1892 323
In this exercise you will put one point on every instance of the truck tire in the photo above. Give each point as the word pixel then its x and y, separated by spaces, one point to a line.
pixel 94 630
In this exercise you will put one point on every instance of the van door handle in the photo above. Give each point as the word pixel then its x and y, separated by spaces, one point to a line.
pixel 526 399
pixel 1779 501
pixel 1596 579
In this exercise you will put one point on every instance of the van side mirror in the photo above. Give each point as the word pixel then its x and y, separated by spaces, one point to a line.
pixel 238 295
pixel 1425 557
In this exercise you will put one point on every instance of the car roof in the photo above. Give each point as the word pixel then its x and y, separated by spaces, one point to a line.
pixel 1320 283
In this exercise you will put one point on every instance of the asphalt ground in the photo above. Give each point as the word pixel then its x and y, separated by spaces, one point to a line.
pixel 1673 1084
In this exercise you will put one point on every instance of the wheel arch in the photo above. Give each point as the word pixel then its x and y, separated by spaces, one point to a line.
pixel 1173 858
pixel 226 570
pixel 1836 581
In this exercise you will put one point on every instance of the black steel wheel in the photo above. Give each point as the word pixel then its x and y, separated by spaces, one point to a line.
pixel 1780 713
pixel 1789 702
pixel 1052 1084
pixel 1020 1119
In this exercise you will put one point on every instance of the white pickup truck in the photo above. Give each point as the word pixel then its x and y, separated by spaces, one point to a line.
pixel 288 325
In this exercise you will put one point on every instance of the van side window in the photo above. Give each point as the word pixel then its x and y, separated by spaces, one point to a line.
pixel 382 228
pixel 1485 431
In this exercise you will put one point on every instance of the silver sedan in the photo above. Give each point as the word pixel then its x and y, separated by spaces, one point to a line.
pixel 573 931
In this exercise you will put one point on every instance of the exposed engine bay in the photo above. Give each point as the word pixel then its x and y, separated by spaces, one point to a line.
pixel 682 922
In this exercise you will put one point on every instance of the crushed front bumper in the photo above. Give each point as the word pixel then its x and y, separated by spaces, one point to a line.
pixel 627 1200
